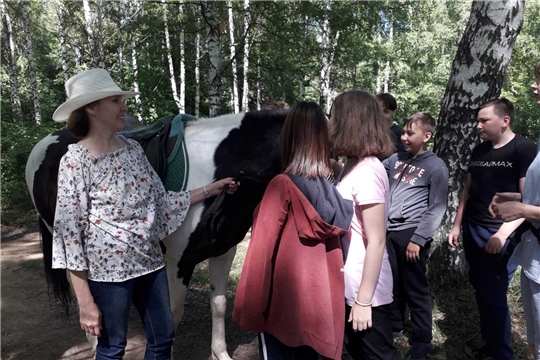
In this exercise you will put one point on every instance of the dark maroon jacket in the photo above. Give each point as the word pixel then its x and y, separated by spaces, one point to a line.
pixel 292 285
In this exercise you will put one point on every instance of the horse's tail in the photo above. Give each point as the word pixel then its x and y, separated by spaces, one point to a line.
pixel 56 278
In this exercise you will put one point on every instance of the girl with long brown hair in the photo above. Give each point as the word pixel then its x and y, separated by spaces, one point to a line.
pixel 291 287
pixel 359 132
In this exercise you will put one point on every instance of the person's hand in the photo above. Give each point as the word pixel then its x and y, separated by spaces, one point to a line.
pixel 219 185
pixel 495 244
pixel 360 317
pixel 90 318
pixel 413 252
pixel 500 198
pixel 508 211
pixel 453 237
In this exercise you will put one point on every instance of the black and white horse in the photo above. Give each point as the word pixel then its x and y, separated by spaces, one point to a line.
pixel 217 148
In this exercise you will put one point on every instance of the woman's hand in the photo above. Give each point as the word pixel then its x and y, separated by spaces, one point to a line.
pixel 90 318
pixel 360 317
pixel 216 187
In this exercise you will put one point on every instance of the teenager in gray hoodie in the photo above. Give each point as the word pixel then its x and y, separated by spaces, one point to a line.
pixel 418 193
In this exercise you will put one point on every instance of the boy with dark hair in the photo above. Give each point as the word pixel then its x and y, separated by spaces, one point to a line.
pixel 389 106
pixel 418 194
pixel 496 165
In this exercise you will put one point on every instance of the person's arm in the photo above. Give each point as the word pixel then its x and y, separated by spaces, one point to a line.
pixel 213 189
pixel 453 237
pixel 497 241
pixel 89 314
pixel 374 221
pixel 432 217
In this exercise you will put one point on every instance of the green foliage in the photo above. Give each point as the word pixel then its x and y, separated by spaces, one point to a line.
pixel 417 39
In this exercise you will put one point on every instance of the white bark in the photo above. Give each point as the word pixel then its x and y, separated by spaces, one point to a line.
pixel 245 92
pixel 328 44
pixel 29 52
pixel 214 53
pixel 234 98
pixel 63 49
pixel 182 107
pixel 197 68
pixel 258 85
pixel 89 23
pixel 12 63
pixel 390 39
pixel 478 72
pixel 172 77
pixel 135 66
pixel 378 83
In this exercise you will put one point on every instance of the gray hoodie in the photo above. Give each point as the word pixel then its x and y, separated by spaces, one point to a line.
pixel 418 193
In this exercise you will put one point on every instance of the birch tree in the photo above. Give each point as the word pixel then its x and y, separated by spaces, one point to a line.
pixel 29 52
pixel 214 54
pixel 245 91
pixel 89 25
pixel 478 72
pixel 198 45
pixel 12 63
pixel 328 42
pixel 182 80
pixel 234 98
pixel 172 77
pixel 62 31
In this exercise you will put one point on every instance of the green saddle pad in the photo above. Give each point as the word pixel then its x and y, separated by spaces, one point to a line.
pixel 177 171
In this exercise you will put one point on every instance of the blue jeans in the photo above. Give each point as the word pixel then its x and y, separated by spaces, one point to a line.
pixel 490 278
pixel 150 295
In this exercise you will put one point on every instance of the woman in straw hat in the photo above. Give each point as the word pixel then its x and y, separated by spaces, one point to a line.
pixel 111 212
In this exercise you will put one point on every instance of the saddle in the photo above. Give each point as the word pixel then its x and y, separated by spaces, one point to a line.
pixel 156 143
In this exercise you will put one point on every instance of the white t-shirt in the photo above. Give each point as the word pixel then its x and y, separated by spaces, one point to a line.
pixel 366 183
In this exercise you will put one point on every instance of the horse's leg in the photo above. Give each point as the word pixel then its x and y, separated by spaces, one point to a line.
pixel 177 289
pixel 219 268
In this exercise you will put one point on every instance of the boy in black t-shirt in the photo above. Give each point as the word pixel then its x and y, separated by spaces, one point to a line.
pixel 498 164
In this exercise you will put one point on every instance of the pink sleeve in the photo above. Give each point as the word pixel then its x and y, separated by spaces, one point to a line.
pixel 370 185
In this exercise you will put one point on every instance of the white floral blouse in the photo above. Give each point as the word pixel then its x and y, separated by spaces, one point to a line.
pixel 111 213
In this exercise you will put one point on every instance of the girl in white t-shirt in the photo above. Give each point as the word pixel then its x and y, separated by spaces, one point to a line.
pixel 358 131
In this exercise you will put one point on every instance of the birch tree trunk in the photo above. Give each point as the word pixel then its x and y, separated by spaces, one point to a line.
pixel 12 63
pixel 197 67
pixel 60 13
pixel 234 98
pixel 478 72
pixel 378 83
pixel 182 107
pixel 390 42
pixel 89 23
pixel 29 52
pixel 135 66
pixel 172 77
pixel 258 85
pixel 328 45
pixel 245 91
pixel 214 54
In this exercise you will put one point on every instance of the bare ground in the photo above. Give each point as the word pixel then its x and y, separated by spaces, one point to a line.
pixel 33 327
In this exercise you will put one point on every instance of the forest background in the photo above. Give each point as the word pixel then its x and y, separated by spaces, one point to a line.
pixel 217 57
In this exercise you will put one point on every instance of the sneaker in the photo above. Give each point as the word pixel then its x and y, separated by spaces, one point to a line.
pixel 418 351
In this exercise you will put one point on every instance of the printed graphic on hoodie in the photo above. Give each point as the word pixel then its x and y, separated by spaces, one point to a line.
pixel 407 174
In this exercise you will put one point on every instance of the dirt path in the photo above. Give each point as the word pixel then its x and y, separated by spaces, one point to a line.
pixel 33 327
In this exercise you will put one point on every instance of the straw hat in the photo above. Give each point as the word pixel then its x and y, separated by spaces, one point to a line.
pixel 87 87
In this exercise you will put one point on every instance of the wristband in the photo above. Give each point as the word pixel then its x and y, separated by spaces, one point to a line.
pixel 205 191
pixel 363 304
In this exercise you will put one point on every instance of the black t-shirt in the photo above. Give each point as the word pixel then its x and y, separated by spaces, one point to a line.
pixel 496 170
